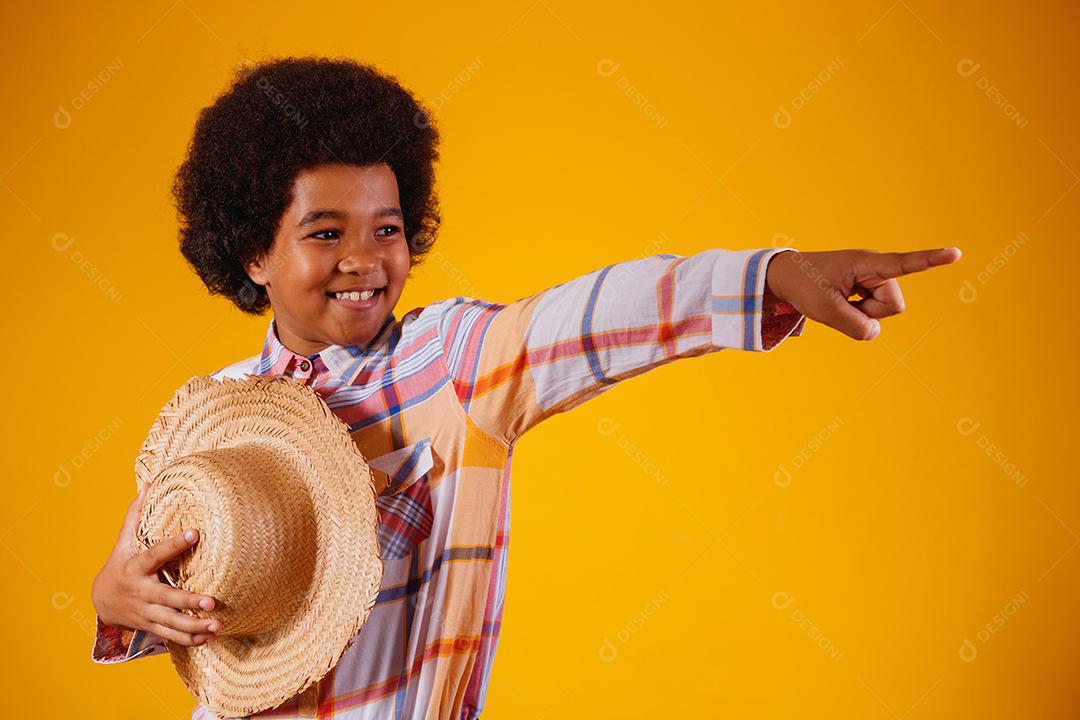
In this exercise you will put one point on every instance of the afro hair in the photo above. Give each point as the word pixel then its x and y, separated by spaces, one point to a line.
pixel 278 118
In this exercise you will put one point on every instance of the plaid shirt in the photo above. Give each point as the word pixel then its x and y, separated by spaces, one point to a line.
pixel 435 402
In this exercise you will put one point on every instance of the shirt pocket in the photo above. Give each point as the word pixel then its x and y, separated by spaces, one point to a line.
pixel 405 511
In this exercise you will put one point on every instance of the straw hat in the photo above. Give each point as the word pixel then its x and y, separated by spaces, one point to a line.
pixel 288 545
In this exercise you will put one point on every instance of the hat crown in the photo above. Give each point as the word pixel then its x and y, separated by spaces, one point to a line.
pixel 257 532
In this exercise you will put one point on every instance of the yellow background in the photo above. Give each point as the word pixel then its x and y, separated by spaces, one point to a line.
pixel 916 560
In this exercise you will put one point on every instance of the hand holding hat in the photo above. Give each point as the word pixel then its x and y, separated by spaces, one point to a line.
pixel 286 507
pixel 128 594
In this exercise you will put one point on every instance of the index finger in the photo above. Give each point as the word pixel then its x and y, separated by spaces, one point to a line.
pixel 151 559
pixel 893 265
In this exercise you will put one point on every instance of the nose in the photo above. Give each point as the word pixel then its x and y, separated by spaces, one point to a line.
pixel 359 256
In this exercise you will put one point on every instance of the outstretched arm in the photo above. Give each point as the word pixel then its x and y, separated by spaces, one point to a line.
pixel 514 365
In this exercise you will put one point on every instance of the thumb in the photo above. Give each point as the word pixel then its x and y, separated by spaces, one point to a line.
pixel 131 520
pixel 850 320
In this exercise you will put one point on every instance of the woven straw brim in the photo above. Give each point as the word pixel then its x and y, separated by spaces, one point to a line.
pixel 276 418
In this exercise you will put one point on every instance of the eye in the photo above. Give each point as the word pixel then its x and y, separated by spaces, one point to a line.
pixel 393 229
pixel 324 232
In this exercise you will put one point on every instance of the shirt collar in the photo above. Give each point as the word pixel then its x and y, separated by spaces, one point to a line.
pixel 340 360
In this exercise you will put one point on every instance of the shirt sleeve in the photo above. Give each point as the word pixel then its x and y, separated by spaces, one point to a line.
pixel 113 645
pixel 516 364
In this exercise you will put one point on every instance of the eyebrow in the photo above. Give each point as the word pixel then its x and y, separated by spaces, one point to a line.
pixel 332 213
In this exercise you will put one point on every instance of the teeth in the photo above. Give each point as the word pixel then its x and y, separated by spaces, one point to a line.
pixel 354 295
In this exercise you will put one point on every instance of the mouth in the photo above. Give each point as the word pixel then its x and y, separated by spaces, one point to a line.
pixel 356 299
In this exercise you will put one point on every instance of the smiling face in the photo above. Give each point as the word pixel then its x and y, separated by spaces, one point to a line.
pixel 341 237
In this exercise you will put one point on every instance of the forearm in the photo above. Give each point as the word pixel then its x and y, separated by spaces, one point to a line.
pixel 772 304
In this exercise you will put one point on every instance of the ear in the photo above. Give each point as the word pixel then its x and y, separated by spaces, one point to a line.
pixel 257 270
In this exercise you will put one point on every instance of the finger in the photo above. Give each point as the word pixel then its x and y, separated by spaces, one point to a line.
pixel 883 301
pixel 897 264
pixel 151 559
pixel 131 519
pixel 127 545
pixel 848 319
pixel 181 599
pixel 177 620
pixel 175 636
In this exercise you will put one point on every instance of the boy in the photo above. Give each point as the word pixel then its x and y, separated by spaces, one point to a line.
pixel 309 189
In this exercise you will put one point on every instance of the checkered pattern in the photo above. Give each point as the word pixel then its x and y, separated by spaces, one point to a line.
pixel 436 402
pixel 405 520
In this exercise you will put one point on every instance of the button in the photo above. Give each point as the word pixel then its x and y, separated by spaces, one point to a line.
pixel 305 365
